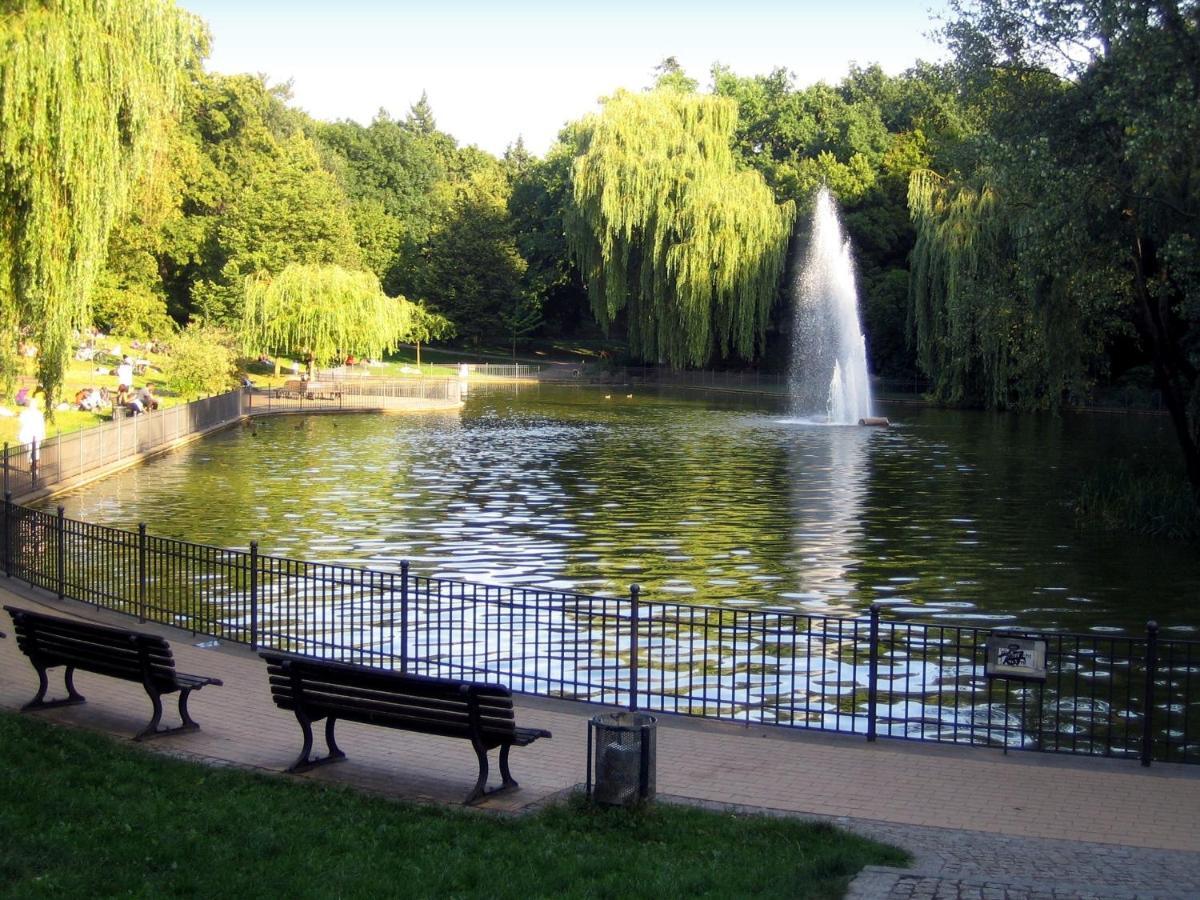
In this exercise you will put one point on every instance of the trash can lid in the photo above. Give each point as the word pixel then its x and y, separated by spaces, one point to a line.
pixel 624 721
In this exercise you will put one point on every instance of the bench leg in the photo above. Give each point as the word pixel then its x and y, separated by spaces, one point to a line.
pixel 479 791
pixel 509 781
pixel 304 762
pixel 153 731
pixel 40 702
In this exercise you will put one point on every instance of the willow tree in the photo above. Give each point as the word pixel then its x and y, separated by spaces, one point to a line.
pixel 325 313
pixel 86 89
pixel 666 227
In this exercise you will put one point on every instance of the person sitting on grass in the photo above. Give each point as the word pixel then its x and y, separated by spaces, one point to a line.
pixel 89 399
pixel 143 401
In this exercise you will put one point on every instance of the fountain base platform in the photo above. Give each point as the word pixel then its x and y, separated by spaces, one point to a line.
pixel 877 421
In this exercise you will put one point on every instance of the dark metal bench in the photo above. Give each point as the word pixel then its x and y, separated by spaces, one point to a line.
pixel 307 390
pixel 316 689
pixel 50 641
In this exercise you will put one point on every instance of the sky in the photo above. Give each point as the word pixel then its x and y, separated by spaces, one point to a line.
pixel 497 70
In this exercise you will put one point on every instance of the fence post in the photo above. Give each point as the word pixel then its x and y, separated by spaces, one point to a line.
pixel 634 617
pixel 404 616
pixel 1151 674
pixel 873 673
pixel 7 531
pixel 6 488
pixel 141 585
pixel 254 595
pixel 62 552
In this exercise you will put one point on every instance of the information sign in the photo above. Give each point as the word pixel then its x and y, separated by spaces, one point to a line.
pixel 1015 656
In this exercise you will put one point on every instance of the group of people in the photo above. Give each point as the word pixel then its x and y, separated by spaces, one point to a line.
pixel 135 402
pixel 139 401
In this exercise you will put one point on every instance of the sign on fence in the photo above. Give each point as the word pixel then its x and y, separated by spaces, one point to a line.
pixel 1012 656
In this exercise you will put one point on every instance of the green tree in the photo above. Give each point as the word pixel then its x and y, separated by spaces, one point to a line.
pixel 86 90
pixel 324 313
pixel 1076 213
pixel 470 269
pixel 541 192
pixel 289 210
pixel 398 165
pixel 669 230
pixel 428 326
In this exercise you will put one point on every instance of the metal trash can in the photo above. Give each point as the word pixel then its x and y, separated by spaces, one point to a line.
pixel 621 758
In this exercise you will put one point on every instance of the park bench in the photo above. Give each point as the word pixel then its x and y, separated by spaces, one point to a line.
pixel 307 390
pixel 316 689
pixel 50 641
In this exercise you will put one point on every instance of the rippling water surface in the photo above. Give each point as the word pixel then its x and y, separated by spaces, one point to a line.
pixel 712 499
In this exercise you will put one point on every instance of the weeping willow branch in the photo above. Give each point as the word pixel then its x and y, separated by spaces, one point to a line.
pixel 664 225
pixel 954 308
pixel 329 312
pixel 86 89
pixel 1003 305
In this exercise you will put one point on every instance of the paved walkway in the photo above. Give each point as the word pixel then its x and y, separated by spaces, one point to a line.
pixel 979 823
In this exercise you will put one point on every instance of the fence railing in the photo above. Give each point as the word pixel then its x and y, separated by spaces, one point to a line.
pixel 491 370
pixel 1125 696
pixel 74 454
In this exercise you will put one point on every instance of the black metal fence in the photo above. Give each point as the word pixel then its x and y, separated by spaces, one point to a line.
pixel 1135 696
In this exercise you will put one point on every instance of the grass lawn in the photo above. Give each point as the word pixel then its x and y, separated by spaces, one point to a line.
pixel 86 816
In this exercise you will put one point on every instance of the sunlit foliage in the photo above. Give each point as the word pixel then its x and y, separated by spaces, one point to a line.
pixel 668 230
pixel 328 312
pixel 87 88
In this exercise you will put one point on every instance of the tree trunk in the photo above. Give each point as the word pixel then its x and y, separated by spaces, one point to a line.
pixel 1172 376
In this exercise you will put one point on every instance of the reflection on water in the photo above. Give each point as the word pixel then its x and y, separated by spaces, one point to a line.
pixel 959 517
pixel 827 474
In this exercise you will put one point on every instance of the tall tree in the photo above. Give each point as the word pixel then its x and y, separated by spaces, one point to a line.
pixel 541 191
pixel 669 230
pixel 469 269
pixel 251 193
pixel 86 89
pixel 290 210
pixel 1076 210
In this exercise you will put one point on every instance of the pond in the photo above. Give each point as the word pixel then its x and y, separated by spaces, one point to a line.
pixel 719 499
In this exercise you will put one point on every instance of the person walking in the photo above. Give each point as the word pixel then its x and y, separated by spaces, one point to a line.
pixel 32 431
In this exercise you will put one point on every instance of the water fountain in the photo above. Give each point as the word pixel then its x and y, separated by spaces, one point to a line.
pixel 828 377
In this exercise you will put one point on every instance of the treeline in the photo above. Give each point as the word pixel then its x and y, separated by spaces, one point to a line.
pixel 247 183
pixel 1025 218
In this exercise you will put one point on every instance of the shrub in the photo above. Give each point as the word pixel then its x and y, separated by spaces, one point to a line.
pixel 202 361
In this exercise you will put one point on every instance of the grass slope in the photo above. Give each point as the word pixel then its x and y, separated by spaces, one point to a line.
pixel 84 816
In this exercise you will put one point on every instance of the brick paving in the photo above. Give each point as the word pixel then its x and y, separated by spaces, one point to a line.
pixel 978 823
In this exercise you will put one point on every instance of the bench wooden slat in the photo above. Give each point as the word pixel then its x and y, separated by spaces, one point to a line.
pixel 116 660
pixel 87 630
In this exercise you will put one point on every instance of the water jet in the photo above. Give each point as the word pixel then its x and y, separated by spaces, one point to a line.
pixel 829 353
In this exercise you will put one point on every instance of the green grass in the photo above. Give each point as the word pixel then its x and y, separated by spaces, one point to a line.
pixel 85 816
